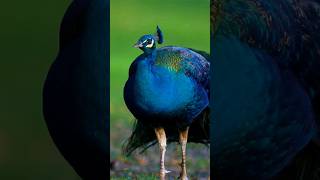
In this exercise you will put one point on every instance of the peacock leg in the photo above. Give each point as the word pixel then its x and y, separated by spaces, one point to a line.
pixel 161 136
pixel 183 136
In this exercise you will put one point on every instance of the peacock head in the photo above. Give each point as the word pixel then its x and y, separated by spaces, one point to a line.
pixel 147 43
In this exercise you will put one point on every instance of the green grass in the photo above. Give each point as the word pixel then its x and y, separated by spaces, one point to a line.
pixel 184 23
pixel 139 176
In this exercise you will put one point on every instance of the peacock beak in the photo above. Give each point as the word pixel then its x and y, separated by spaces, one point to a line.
pixel 137 45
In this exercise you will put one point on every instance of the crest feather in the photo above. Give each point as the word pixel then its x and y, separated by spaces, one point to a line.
pixel 158 36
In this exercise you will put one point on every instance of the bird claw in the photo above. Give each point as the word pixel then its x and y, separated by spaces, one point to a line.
pixel 166 171
pixel 183 178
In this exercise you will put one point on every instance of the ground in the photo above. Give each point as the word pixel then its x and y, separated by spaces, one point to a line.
pixel 146 164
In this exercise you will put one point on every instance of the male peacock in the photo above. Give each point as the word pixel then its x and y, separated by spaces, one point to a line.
pixel 76 91
pixel 168 92
pixel 266 59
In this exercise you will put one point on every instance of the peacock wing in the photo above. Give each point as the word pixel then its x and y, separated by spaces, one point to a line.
pixel 187 61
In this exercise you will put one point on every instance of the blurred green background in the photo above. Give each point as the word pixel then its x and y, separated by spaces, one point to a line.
pixel 184 23
pixel 28 45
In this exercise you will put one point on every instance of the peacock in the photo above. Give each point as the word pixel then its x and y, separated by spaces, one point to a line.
pixel 168 93
pixel 76 90
pixel 265 89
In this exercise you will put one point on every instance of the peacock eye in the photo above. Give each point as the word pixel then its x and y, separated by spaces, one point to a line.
pixel 149 41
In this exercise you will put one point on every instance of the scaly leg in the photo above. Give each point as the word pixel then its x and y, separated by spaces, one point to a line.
pixel 183 136
pixel 161 136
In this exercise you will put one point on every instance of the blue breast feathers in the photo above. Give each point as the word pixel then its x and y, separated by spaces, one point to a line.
pixel 168 84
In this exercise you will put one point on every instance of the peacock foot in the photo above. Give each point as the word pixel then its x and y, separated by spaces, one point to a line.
pixel 163 174
pixel 183 177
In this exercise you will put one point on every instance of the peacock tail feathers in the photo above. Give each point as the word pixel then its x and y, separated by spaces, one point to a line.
pixel 288 31
pixel 143 135
pixel 276 27
pixel 305 166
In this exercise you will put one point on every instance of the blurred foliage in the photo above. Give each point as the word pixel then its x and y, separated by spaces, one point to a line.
pixel 184 23
pixel 28 44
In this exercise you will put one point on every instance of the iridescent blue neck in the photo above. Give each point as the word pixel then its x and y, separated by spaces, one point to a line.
pixel 150 54
pixel 148 51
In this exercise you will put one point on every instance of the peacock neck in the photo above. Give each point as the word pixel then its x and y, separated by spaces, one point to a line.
pixel 150 56
pixel 149 51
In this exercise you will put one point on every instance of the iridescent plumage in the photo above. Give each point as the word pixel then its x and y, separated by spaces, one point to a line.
pixel 167 88
pixel 266 88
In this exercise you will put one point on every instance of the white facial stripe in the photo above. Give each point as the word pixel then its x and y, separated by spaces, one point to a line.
pixel 151 44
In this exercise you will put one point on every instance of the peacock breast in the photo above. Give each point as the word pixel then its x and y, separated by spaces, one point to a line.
pixel 154 90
